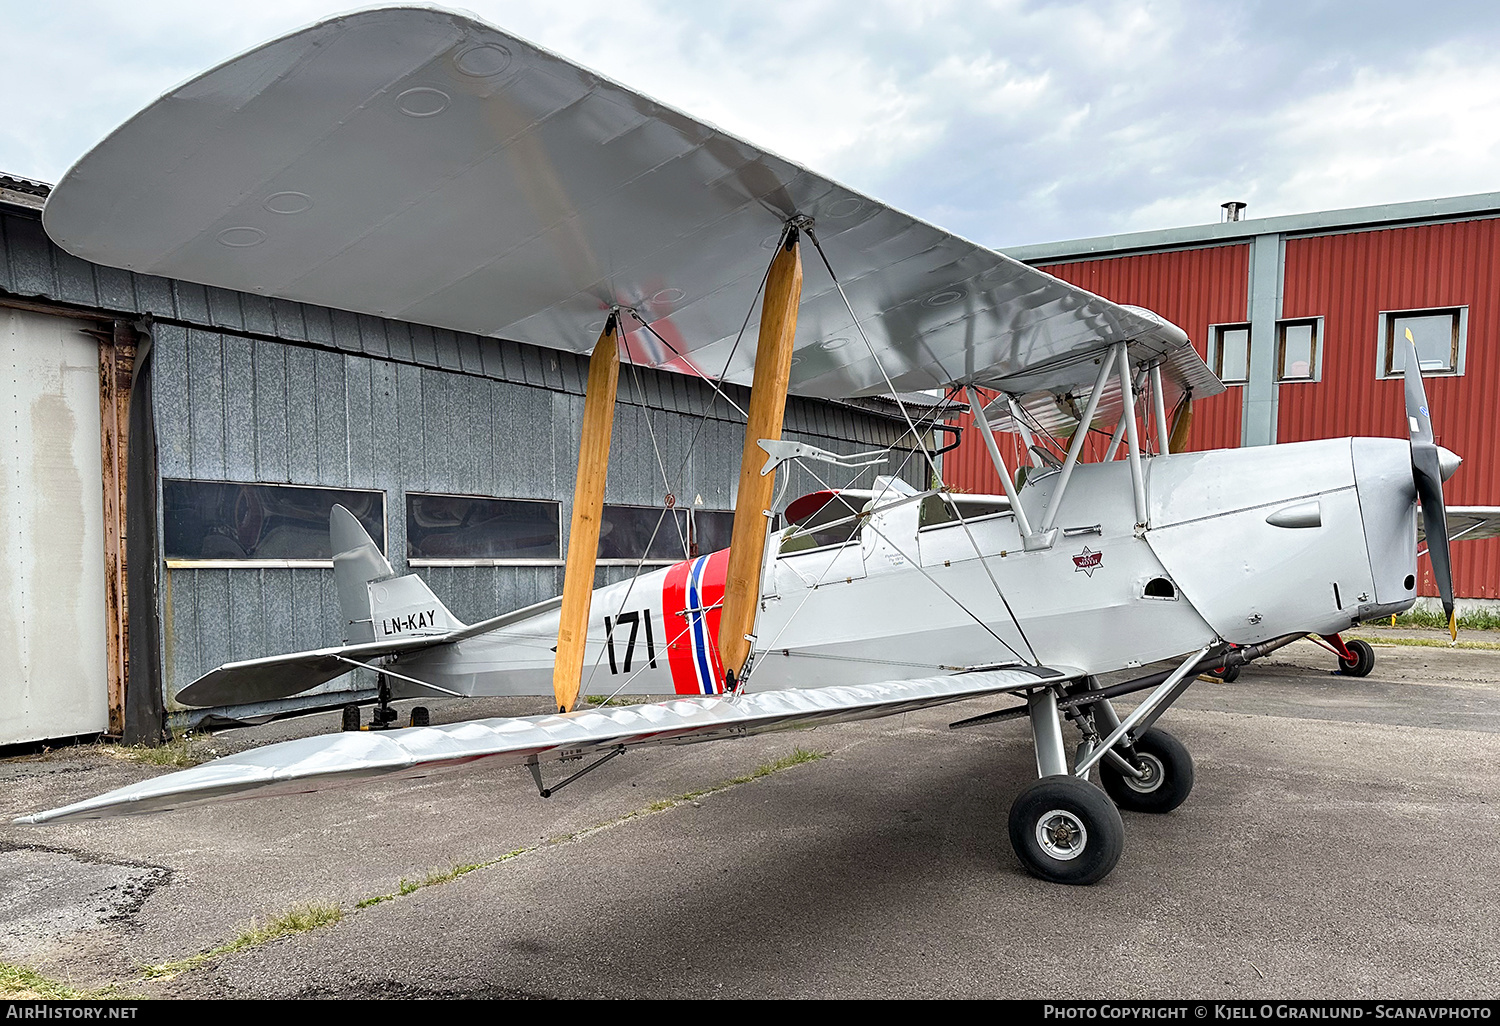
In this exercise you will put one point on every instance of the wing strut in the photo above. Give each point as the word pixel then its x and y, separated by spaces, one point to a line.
pixel 976 407
pixel 588 510
pixel 752 504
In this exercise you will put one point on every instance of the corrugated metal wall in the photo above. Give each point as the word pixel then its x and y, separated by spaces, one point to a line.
pixel 1192 288
pixel 1348 279
pixel 249 389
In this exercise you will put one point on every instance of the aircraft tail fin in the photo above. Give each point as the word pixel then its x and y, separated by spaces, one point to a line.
pixel 376 604
pixel 357 561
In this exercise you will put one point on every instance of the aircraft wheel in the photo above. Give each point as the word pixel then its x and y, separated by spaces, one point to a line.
pixel 420 716
pixel 1167 778
pixel 1066 830
pixel 1228 674
pixel 351 717
pixel 1364 659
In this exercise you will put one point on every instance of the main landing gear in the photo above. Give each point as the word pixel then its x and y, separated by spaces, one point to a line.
pixel 1065 828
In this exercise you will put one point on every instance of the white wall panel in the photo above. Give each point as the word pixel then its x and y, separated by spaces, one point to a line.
pixel 52 637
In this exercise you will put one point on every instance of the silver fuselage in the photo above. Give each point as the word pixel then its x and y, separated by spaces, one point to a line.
pixel 1241 545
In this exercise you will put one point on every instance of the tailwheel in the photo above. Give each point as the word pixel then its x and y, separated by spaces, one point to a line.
pixel 1165 775
pixel 1066 830
pixel 1363 662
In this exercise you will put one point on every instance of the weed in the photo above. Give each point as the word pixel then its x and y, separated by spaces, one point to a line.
pixel 1474 620
pixel 600 701
pixel 296 920
pixel 22 983
pixel 182 751
pixel 765 769
pixel 436 876
pixel 1442 642
pixel 312 916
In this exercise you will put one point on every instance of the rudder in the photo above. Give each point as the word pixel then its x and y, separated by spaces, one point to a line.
pixel 357 561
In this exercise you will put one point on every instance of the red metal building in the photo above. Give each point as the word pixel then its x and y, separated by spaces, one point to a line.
pixel 1298 315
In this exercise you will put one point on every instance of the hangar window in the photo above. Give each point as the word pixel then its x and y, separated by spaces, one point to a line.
pixel 1299 355
pixel 475 530
pixel 631 534
pixel 1440 335
pixel 238 524
pixel 1229 355
pixel 709 530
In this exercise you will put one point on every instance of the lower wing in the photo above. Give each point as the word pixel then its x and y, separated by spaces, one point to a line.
pixel 311 763
pixel 1468 522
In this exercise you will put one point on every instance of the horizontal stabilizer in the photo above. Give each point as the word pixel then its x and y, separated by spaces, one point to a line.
pixel 264 680
pixel 281 676
pixel 307 764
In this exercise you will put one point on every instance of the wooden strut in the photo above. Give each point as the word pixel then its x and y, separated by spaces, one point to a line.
pixel 773 372
pixel 588 511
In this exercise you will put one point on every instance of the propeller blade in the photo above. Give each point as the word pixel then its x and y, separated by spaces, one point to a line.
pixel 1427 475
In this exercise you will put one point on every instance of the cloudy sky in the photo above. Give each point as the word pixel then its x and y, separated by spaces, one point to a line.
pixel 1008 121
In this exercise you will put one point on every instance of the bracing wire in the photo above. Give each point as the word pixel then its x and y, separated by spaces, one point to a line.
pixel 916 565
pixel 890 385
pixel 692 442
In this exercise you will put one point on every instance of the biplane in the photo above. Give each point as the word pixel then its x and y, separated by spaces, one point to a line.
pixel 417 164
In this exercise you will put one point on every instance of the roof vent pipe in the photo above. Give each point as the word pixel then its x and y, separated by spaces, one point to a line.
pixel 1234 210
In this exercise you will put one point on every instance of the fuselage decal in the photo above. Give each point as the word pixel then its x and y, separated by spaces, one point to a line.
pixel 691 594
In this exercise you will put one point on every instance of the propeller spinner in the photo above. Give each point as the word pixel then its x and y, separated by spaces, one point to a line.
pixel 1431 465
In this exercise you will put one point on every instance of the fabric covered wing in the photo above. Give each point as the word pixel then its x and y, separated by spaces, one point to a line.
pixel 1468 523
pixel 420 165
pixel 307 764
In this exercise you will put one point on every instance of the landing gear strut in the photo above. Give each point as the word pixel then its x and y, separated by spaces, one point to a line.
pixel 1064 828
pixel 1163 778
pixel 383 717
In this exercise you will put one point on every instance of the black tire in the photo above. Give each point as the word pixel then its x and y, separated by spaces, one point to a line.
pixel 1364 659
pixel 1228 674
pixel 351 717
pixel 420 717
pixel 1169 775
pixel 1066 830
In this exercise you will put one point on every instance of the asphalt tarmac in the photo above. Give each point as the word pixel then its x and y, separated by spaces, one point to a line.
pixel 1343 840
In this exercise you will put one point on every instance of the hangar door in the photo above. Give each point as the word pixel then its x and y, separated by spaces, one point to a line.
pixel 52 609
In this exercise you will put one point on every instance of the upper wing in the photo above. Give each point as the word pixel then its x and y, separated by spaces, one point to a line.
pixel 420 165
pixel 307 764
pixel 1469 523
